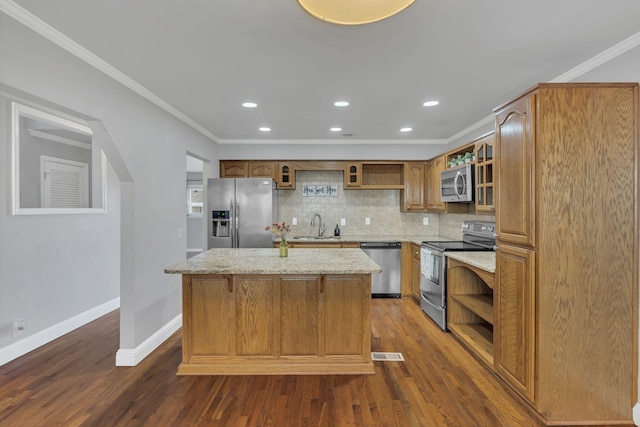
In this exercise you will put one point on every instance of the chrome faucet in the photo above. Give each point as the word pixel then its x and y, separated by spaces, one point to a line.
pixel 320 225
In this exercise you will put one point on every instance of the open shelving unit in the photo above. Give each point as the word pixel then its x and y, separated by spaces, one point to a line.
pixel 470 307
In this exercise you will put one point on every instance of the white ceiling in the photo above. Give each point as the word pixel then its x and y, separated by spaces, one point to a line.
pixel 205 58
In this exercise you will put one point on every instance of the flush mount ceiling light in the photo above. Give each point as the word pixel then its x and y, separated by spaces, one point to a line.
pixel 406 129
pixel 336 129
pixel 249 104
pixel 265 129
pixel 353 12
pixel 430 103
pixel 341 103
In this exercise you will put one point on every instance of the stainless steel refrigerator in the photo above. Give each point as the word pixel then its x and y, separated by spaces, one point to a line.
pixel 238 211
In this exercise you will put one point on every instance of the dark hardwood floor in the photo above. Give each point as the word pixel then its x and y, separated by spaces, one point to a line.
pixel 73 382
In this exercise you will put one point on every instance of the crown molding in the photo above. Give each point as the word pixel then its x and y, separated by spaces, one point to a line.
pixel 47 31
pixel 600 59
pixel 334 141
pixel 588 65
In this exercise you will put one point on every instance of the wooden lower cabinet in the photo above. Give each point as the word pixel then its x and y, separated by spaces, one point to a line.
pixel 415 272
pixel 270 324
pixel 515 319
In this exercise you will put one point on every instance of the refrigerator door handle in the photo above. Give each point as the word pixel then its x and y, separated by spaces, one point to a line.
pixel 233 223
pixel 237 232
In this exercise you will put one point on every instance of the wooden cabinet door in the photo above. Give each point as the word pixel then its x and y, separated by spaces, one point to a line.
pixel 262 169
pixel 514 327
pixel 352 175
pixel 299 316
pixel 234 169
pixel 515 152
pixel 347 298
pixel 413 195
pixel 286 176
pixel 433 202
pixel 209 328
pixel 485 182
pixel 255 315
pixel 415 272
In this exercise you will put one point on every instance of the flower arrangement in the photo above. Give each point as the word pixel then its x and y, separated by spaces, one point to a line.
pixel 279 229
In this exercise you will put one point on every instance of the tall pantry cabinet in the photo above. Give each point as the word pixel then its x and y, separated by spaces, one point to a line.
pixel 567 260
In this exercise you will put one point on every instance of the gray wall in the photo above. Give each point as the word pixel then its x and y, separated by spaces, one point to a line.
pixel 54 267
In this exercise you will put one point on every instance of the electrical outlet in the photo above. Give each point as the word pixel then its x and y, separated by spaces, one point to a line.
pixel 18 327
pixel 343 221
pixel 425 220
pixel 294 221
pixel 367 221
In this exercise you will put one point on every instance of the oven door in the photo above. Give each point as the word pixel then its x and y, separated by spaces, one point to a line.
pixel 432 286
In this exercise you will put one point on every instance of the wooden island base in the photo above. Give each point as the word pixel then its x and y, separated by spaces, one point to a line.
pixel 263 324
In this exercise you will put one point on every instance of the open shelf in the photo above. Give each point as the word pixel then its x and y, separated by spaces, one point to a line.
pixel 478 336
pixel 479 304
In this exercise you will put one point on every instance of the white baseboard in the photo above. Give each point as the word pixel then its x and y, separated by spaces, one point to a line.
pixel 636 414
pixel 131 357
pixel 30 343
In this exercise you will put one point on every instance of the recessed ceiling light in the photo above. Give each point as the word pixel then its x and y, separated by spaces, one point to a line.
pixel 265 129
pixel 406 129
pixel 341 103
pixel 249 104
pixel 431 103
pixel 335 129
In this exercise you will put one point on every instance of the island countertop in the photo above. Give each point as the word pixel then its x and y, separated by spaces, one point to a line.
pixel 268 261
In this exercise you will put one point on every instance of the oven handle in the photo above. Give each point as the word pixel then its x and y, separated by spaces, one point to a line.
pixel 428 301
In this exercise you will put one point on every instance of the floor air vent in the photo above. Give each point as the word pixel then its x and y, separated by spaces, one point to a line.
pixel 387 357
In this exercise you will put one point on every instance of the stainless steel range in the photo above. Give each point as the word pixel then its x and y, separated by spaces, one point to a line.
pixel 476 236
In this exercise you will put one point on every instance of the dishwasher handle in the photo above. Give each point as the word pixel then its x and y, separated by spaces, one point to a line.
pixel 380 245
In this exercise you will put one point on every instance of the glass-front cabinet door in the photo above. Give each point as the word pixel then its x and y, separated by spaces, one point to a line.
pixel 484 173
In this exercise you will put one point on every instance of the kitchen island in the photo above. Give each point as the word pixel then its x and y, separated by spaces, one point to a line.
pixel 251 312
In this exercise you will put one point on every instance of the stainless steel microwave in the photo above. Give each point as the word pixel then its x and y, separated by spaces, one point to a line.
pixel 456 184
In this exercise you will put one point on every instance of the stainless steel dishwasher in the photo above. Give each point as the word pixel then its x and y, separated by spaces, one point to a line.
pixel 387 256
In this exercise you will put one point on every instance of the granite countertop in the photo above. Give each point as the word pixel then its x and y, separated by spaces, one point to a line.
pixel 483 260
pixel 268 261
pixel 417 239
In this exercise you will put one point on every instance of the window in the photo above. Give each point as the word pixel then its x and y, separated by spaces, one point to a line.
pixel 195 200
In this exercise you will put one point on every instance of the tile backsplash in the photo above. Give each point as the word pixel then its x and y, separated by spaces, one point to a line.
pixel 381 206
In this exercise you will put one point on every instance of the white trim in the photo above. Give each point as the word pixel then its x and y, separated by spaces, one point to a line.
pixel 30 343
pixel 55 138
pixel 636 414
pixel 131 357
pixel 600 59
pixel 335 141
pixel 47 31
pixel 477 125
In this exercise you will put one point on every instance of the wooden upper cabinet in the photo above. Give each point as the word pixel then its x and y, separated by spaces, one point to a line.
pixel 234 169
pixel 262 169
pixel 286 176
pixel 433 169
pixel 485 177
pixel 352 175
pixel 515 151
pixel 413 197
pixel 247 169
